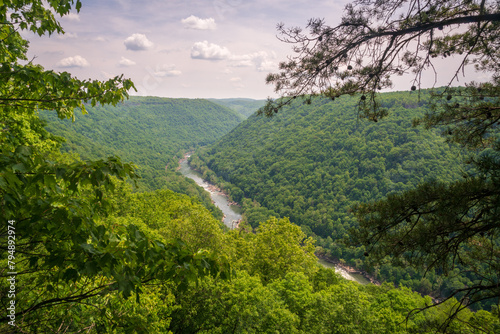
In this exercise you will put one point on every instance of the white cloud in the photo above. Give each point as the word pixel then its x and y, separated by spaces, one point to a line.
pixel 67 35
pixel 125 62
pixel 262 61
pixel 76 61
pixel 72 17
pixel 235 79
pixel 209 51
pixel 166 71
pixel 194 22
pixel 241 61
pixel 138 42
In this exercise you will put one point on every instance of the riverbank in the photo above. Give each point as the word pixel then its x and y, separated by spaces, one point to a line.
pixel 231 210
pixel 350 270
pixel 183 159
pixel 211 187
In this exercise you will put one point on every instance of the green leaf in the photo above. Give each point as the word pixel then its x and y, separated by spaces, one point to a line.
pixel 91 268
pixel 19 167
pixel 71 274
pixel 89 248
pixel 11 178
pixel 49 181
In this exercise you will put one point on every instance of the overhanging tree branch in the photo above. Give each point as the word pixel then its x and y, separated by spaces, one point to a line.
pixel 374 51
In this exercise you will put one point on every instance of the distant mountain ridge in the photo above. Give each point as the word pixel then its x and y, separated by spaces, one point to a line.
pixel 243 106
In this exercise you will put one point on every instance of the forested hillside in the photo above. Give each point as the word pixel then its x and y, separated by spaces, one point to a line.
pixel 82 251
pixel 314 162
pixel 439 226
pixel 151 132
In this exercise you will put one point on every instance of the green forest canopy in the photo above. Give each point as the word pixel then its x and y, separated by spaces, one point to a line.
pixel 152 132
pixel 93 256
pixel 245 107
pixel 314 162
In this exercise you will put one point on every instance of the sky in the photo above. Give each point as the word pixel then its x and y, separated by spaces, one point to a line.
pixel 181 49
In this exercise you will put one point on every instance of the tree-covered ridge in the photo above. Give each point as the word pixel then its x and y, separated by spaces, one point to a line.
pixel 314 162
pixel 150 131
pixel 299 162
pixel 245 107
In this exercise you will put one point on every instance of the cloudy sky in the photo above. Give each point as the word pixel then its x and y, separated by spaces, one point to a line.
pixel 180 48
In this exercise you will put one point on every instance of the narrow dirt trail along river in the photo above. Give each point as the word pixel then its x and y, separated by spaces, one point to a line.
pixel 232 213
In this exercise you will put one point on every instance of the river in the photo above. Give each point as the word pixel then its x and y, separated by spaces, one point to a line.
pixel 232 214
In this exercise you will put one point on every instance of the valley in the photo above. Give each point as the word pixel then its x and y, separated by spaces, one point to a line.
pixel 336 205
pixel 306 167
pixel 232 214
pixel 310 163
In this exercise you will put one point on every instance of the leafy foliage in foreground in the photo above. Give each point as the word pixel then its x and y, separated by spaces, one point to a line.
pixel 82 273
pixel 281 289
pixel 55 249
